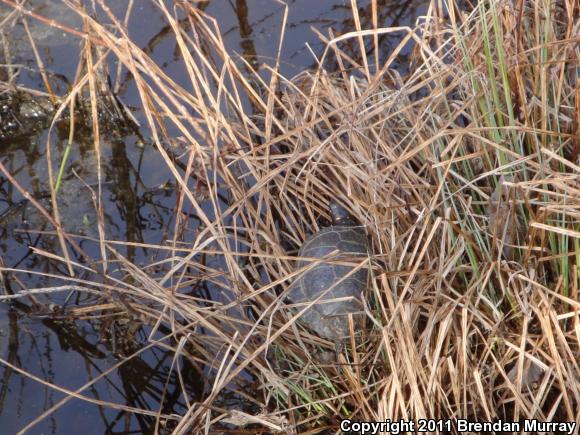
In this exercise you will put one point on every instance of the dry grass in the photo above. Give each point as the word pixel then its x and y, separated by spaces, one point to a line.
pixel 465 175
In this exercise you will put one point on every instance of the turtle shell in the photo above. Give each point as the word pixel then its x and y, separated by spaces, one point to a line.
pixel 329 316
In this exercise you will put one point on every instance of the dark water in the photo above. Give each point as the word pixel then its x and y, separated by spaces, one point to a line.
pixel 138 205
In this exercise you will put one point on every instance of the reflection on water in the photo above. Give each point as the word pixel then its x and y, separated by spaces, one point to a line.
pixel 71 354
pixel 251 27
pixel 138 207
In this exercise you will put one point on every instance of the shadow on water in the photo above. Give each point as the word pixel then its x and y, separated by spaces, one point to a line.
pixel 38 335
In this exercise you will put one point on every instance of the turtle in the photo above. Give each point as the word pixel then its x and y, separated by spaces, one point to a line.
pixel 337 288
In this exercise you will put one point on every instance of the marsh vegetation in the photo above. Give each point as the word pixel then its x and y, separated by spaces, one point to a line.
pixel 463 168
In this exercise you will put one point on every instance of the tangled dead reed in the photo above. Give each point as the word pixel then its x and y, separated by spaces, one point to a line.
pixel 464 172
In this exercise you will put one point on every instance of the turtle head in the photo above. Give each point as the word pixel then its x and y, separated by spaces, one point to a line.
pixel 340 215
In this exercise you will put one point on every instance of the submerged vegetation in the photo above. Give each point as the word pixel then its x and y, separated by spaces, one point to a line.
pixel 465 173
